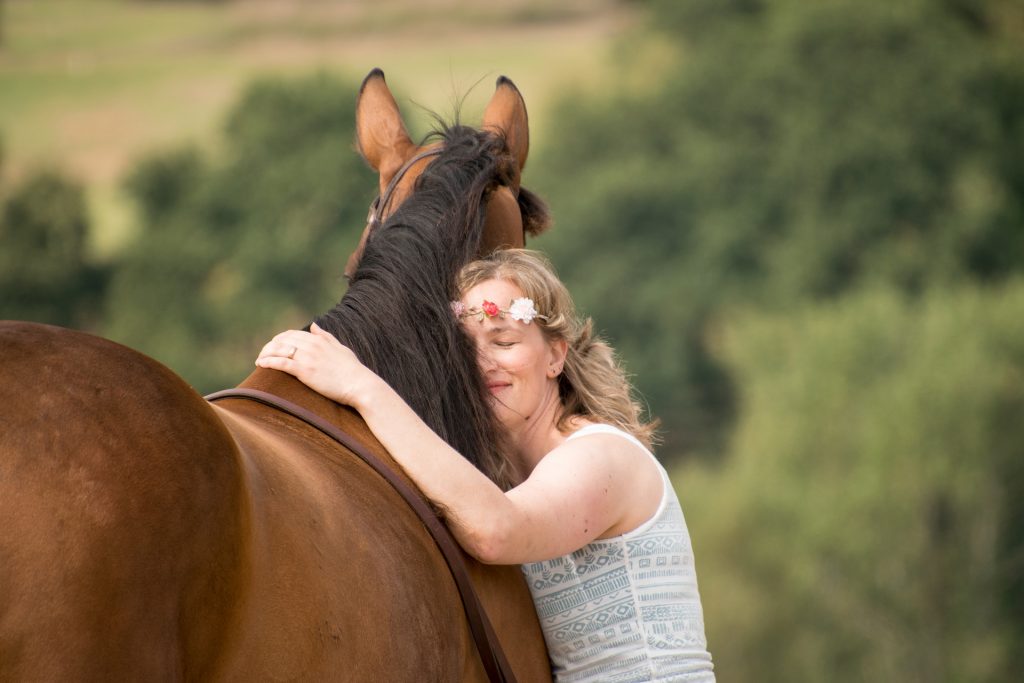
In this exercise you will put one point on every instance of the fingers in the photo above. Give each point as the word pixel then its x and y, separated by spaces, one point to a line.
pixel 277 363
pixel 321 332
pixel 312 348
pixel 280 348
pixel 291 337
pixel 318 360
pixel 283 349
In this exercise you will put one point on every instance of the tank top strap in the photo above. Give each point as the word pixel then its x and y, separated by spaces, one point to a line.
pixel 601 428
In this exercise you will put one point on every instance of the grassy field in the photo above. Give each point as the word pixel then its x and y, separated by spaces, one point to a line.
pixel 89 85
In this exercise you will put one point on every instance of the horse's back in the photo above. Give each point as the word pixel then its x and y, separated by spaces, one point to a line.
pixel 363 590
pixel 365 595
pixel 121 537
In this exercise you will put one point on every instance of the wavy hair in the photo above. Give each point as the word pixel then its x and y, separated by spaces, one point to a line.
pixel 593 384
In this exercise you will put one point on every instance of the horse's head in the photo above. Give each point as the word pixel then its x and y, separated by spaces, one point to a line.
pixel 385 145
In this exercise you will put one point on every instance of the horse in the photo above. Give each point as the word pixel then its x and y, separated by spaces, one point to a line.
pixel 147 534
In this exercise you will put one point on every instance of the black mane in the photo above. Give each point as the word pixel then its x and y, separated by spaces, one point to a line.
pixel 396 315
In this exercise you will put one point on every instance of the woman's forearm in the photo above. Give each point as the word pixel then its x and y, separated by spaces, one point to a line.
pixel 477 511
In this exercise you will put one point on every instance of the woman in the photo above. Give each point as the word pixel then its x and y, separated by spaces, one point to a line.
pixel 591 515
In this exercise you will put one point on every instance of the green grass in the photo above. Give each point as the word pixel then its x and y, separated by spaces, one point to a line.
pixel 90 85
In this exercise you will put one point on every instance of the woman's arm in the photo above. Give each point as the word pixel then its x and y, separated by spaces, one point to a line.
pixel 575 494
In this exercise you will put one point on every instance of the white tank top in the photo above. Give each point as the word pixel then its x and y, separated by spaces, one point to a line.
pixel 625 608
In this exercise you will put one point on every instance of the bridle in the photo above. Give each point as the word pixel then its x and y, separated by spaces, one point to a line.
pixel 373 219
pixel 381 201
pixel 375 216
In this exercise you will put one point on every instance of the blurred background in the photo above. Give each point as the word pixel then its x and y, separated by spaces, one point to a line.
pixel 801 223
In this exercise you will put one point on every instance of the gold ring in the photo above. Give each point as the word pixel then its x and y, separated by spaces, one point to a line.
pixel 291 354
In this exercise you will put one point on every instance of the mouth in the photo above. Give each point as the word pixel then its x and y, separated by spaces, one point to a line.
pixel 495 387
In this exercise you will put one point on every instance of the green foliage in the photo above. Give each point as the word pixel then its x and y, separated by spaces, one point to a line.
pixel 237 247
pixel 160 183
pixel 867 524
pixel 45 273
pixel 793 151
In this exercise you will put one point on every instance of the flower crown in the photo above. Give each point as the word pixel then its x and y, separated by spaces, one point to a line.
pixel 521 309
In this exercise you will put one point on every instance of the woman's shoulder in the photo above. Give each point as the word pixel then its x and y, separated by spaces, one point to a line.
pixel 617 455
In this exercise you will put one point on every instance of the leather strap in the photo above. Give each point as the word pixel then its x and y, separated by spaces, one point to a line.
pixel 381 202
pixel 491 654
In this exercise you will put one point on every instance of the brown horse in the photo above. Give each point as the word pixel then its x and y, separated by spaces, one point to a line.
pixel 147 535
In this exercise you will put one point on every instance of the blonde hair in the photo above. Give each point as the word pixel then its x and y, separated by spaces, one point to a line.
pixel 592 384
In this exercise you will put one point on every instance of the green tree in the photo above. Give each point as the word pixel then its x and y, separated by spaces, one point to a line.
pixel 45 272
pixel 866 525
pixel 236 247
pixel 790 151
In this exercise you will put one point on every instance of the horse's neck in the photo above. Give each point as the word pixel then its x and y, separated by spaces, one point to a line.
pixel 287 387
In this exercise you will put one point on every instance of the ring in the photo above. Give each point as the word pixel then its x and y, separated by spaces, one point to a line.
pixel 291 354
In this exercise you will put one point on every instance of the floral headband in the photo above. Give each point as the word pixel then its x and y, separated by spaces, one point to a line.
pixel 518 309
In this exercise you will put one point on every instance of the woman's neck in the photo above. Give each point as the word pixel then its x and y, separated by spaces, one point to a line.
pixel 538 434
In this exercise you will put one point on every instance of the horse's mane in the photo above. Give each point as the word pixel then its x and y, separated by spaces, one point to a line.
pixel 396 314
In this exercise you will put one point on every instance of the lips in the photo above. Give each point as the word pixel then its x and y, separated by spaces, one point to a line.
pixel 495 387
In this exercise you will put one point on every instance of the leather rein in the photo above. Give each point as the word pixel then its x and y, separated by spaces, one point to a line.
pixel 491 654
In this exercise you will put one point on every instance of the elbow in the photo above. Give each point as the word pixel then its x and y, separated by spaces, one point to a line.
pixel 489 553
pixel 489 543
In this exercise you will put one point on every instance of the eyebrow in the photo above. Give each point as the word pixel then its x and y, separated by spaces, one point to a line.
pixel 499 327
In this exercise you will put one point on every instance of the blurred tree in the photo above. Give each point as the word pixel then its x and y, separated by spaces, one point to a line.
pixel 45 273
pixel 236 247
pixel 789 151
pixel 869 522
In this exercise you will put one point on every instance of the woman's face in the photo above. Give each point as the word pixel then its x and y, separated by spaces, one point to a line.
pixel 518 364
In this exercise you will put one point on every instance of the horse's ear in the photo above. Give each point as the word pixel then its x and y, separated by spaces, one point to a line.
pixel 380 133
pixel 506 115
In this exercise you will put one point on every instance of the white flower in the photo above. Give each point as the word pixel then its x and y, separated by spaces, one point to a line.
pixel 522 309
pixel 458 308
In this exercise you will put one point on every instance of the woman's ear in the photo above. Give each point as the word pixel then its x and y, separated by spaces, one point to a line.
pixel 559 349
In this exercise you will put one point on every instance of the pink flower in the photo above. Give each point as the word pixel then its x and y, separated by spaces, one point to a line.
pixel 490 308
pixel 458 308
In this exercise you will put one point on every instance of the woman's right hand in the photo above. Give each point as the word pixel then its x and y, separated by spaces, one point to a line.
pixel 318 360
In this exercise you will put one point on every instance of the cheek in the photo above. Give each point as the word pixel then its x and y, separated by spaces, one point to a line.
pixel 525 362
pixel 508 360
pixel 511 362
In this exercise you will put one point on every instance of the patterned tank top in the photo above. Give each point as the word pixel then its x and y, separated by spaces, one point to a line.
pixel 625 608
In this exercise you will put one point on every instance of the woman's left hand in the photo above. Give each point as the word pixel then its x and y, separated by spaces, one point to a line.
pixel 321 362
